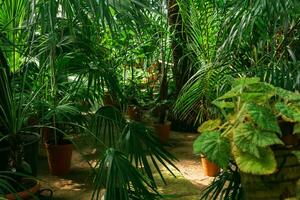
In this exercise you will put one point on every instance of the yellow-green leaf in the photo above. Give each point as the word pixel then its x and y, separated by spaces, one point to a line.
pixel 296 128
pixel 248 163
pixel 289 112
pixel 287 95
pixel 209 125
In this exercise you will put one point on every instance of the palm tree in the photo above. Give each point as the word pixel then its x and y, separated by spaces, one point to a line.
pixel 62 39
pixel 239 38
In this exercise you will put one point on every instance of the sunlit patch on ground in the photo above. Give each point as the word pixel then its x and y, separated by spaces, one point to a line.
pixel 65 184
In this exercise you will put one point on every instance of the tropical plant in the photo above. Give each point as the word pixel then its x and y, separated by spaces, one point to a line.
pixel 131 148
pixel 203 21
pixel 250 128
pixel 234 39
pixel 227 185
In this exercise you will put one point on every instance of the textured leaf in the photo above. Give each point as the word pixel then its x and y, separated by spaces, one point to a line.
pixel 263 117
pixel 245 81
pixel 234 92
pixel 214 147
pixel 258 92
pixel 289 112
pixel 209 125
pixel 261 87
pixel 287 95
pixel 249 139
pixel 248 163
pixel 254 96
pixel 223 104
pixel 296 128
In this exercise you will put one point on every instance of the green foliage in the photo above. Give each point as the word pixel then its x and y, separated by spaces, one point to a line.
pixel 246 39
pixel 289 112
pixel 262 116
pixel 57 55
pixel 227 185
pixel 121 179
pixel 262 165
pixel 250 127
pixel 214 147
pixel 209 125
pixel 129 145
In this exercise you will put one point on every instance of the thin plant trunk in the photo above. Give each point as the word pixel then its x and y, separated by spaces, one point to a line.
pixel 180 69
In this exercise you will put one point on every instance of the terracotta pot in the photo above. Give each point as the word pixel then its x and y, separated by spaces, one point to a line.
pixel 27 194
pixel 288 137
pixel 209 168
pixel 163 131
pixel 134 113
pixel 59 157
pixel 107 100
pixel 290 140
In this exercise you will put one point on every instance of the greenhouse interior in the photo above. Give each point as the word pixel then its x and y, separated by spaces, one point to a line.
pixel 149 99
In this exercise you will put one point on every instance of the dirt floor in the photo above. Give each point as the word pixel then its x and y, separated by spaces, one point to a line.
pixel 186 185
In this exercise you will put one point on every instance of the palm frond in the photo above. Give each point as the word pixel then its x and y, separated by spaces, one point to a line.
pixel 143 148
pixel 121 180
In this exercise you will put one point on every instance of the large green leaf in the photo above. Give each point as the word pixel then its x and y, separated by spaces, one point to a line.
pixel 209 125
pixel 223 104
pixel 245 81
pixel 288 112
pixel 258 92
pixel 287 95
pixel 120 178
pixel 214 147
pixel 234 92
pixel 263 117
pixel 248 163
pixel 296 128
pixel 249 139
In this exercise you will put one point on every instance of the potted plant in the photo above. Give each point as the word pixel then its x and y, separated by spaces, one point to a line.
pixel 19 144
pixel 250 136
pixel 162 126
pixel 59 149
pixel 124 170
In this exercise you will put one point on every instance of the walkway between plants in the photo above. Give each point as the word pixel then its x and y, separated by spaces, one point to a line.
pixel 186 186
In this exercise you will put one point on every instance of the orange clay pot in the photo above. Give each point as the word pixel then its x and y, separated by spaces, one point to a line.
pixel 209 168
pixel 27 194
pixel 163 131
pixel 59 158
pixel 134 113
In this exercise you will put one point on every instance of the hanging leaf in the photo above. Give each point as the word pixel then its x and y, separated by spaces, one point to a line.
pixel 209 125
pixel 296 128
pixel 287 95
pixel 223 104
pixel 263 117
pixel 265 164
pixel 234 92
pixel 258 92
pixel 214 147
pixel 245 81
pixel 289 112
pixel 249 139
